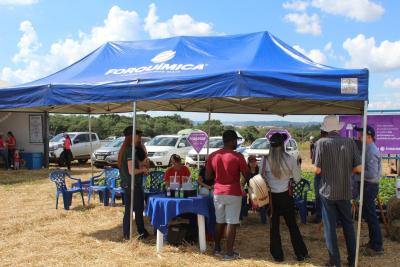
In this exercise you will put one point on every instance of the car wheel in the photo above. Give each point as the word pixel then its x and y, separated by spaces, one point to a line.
pixel 82 161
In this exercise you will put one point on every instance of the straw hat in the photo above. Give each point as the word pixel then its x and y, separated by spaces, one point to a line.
pixel 259 191
pixel 331 123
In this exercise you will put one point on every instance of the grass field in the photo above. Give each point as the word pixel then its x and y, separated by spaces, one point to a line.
pixel 33 232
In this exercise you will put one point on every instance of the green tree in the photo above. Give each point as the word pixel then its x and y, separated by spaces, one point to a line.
pixel 249 133
pixel 216 127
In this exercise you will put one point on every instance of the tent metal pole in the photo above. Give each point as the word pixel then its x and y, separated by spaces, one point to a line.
pixel 209 130
pixel 364 140
pixel 90 140
pixel 133 168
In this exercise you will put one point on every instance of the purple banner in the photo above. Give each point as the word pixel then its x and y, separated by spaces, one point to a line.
pixel 282 131
pixel 387 130
pixel 198 139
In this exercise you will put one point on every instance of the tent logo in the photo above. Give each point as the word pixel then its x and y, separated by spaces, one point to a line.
pixel 159 66
pixel 163 56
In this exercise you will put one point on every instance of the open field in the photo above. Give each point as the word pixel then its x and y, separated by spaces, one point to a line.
pixel 33 232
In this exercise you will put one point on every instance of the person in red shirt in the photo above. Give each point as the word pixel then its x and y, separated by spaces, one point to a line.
pixel 11 144
pixel 226 165
pixel 3 152
pixel 177 169
pixel 67 151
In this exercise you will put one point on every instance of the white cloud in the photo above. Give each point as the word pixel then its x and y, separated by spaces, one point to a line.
pixel 297 5
pixel 388 103
pixel 360 10
pixel 28 44
pixel 18 2
pixel 392 83
pixel 365 53
pixel 306 24
pixel 120 25
pixel 177 25
pixel 314 54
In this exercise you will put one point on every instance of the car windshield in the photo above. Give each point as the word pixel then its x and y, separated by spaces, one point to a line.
pixel 163 141
pixel 116 143
pixel 216 143
pixel 261 143
pixel 60 137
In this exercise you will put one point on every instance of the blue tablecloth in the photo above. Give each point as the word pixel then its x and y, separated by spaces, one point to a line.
pixel 162 210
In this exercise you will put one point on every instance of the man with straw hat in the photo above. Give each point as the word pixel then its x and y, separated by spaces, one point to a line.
pixel 336 158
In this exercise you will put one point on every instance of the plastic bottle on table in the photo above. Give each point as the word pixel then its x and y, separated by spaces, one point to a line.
pixel 181 193
pixel 176 193
pixel 168 192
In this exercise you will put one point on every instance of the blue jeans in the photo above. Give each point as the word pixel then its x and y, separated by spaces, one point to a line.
pixel 317 184
pixel 333 210
pixel 369 215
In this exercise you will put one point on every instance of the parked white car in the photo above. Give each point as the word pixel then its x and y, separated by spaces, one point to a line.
pixel 216 143
pixel 260 147
pixel 162 147
pixel 107 155
pixel 80 147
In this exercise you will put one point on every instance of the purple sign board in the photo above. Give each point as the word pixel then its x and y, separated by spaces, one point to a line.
pixel 198 139
pixel 387 130
pixel 282 131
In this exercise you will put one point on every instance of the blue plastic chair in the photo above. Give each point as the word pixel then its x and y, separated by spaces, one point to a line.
pixel 102 183
pixel 58 177
pixel 153 184
pixel 116 190
pixel 300 192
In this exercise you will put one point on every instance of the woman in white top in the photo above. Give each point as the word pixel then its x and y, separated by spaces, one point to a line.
pixel 277 169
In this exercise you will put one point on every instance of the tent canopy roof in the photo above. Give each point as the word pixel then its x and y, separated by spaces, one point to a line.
pixel 249 73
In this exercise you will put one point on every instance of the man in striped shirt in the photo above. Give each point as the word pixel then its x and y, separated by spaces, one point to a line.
pixel 336 158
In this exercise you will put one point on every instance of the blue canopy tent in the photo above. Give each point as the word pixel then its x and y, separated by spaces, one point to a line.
pixel 249 73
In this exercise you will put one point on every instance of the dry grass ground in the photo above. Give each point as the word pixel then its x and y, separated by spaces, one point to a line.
pixel 33 232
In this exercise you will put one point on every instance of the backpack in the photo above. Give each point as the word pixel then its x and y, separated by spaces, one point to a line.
pixel 182 232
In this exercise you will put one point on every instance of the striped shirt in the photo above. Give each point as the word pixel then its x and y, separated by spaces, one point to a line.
pixel 336 156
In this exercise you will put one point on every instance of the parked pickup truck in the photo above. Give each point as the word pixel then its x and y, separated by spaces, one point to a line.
pixel 80 147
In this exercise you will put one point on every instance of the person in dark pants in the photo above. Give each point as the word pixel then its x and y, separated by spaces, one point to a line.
pixel 126 167
pixel 373 169
pixel 11 145
pixel 277 169
pixel 67 151
pixel 336 159
pixel 317 183
pixel 3 151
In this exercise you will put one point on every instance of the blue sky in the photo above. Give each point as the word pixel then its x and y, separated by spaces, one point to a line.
pixel 39 37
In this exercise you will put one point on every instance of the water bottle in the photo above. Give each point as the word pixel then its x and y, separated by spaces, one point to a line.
pixel 398 188
pixel 176 193
pixel 168 192
pixel 181 193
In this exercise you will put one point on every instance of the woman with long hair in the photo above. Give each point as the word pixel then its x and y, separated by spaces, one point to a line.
pixel 278 168
pixel 126 167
